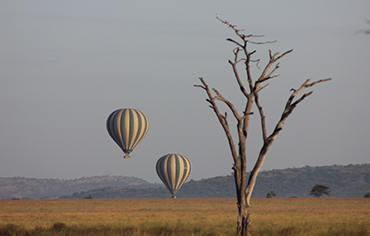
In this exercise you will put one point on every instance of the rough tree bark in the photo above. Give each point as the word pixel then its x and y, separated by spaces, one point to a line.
pixel 245 188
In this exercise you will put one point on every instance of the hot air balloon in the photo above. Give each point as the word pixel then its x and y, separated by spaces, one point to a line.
pixel 127 127
pixel 173 170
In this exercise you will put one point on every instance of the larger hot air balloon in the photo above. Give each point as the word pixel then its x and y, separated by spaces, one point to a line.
pixel 127 127
pixel 173 170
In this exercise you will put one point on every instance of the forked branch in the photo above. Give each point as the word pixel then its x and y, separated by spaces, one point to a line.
pixel 222 118
pixel 289 107
pixel 236 73
pixel 266 75
pixel 244 37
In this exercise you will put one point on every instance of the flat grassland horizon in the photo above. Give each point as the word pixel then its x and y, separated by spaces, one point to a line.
pixel 191 216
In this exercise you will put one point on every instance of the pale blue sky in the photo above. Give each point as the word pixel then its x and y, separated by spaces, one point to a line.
pixel 66 65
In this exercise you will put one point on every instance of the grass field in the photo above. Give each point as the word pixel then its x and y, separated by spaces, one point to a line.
pixel 91 217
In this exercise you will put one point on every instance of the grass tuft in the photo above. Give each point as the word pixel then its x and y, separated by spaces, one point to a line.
pixel 58 226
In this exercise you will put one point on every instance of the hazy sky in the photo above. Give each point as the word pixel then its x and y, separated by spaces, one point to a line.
pixel 66 65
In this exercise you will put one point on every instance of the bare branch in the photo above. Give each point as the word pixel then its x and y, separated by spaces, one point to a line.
pixel 262 116
pixel 260 88
pixel 199 86
pixel 236 73
pixel 316 82
pixel 228 103
pixel 257 63
pixel 265 75
pixel 234 28
pixel 272 56
pixel 222 119
pixel 305 85
pixel 270 139
pixel 242 36
pixel 265 42
pixel 233 41
pixel 270 75
pixel 251 53
pixel 282 55
pixel 225 119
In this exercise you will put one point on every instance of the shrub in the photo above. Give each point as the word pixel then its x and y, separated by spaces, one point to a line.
pixel 59 226
pixel 89 197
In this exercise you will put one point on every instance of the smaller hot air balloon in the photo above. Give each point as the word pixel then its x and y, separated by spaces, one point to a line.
pixel 173 170
pixel 127 127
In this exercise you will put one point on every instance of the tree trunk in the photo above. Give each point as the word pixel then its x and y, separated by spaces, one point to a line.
pixel 243 227
pixel 240 175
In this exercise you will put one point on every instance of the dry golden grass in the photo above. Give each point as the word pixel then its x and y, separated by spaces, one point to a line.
pixel 278 216
pixel 312 216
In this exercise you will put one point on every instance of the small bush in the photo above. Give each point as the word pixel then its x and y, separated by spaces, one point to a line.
pixel 59 226
pixel 271 194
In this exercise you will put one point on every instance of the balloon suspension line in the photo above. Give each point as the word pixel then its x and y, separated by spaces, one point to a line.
pixel 126 156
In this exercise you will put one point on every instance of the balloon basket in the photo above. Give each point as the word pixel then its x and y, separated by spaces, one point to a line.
pixel 127 157
pixel 173 197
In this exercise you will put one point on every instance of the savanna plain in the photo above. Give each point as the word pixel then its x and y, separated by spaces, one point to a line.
pixel 200 216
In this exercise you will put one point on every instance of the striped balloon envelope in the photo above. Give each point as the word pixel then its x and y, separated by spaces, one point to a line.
pixel 173 170
pixel 127 127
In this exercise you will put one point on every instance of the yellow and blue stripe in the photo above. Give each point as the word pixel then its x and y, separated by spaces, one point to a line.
pixel 173 170
pixel 127 127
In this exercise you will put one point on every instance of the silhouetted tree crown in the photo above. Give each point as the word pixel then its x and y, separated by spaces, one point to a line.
pixel 319 190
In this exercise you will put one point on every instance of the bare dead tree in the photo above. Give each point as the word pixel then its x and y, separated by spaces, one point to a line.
pixel 251 89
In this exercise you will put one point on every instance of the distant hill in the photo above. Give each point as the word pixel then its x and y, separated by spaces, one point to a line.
pixel 344 181
pixel 20 187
